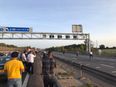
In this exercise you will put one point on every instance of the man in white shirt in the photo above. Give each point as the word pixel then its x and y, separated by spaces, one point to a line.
pixel 30 59
pixel 91 55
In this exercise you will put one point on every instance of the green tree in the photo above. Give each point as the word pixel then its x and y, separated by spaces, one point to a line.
pixel 102 46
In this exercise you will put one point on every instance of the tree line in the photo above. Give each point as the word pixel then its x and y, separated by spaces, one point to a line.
pixel 69 48
pixel 102 46
pixel 7 47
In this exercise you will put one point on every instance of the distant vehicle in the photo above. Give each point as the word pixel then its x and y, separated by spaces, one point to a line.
pixel 3 60
pixel 2 54
pixel 15 29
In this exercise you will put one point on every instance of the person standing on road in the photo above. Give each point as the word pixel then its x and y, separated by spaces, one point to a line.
pixel 45 69
pixel 52 67
pixel 30 59
pixel 48 65
pixel 77 53
pixel 14 68
pixel 91 55
pixel 52 62
pixel 24 59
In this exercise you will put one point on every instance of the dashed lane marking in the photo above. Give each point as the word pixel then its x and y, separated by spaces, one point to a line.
pixel 107 65
pixel 113 71
pixel 87 64
pixel 97 67
pixel 79 62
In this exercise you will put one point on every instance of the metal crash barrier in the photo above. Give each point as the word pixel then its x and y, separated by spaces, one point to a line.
pixel 106 77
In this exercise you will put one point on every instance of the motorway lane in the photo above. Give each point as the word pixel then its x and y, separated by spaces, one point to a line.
pixel 103 64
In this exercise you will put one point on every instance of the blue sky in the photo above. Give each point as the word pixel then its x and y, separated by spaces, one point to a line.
pixel 98 18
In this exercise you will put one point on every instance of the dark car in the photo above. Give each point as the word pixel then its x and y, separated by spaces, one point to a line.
pixel 3 60
pixel 2 54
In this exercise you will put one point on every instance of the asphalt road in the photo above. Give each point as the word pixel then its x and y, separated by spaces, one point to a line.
pixel 104 64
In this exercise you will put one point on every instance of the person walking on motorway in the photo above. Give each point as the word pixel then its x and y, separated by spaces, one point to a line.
pixel 77 53
pixel 30 59
pixel 14 68
pixel 48 65
pixel 91 55
pixel 45 69
pixel 52 62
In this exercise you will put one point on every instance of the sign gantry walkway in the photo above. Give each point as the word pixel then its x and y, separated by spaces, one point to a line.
pixel 47 36
pixel 43 35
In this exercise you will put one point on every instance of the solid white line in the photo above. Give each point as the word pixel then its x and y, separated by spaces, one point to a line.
pixel 80 62
pixel 87 64
pixel 107 65
pixel 98 67
pixel 26 81
pixel 113 71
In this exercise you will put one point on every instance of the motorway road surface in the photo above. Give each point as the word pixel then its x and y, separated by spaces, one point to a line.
pixel 104 64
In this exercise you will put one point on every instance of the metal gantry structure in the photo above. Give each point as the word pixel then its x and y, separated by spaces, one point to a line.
pixel 47 36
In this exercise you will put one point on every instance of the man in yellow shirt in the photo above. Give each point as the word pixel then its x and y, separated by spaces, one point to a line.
pixel 14 68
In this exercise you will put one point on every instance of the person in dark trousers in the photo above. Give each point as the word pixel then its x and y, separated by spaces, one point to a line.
pixel 91 55
pixel 45 69
pixel 48 65
pixel 31 56
pixel 24 58
pixel 77 53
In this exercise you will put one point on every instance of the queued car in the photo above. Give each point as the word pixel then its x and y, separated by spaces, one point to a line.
pixel 3 60
pixel 2 54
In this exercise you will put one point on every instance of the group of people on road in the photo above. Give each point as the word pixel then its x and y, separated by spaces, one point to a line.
pixel 25 62
pixel 27 58
pixel 16 66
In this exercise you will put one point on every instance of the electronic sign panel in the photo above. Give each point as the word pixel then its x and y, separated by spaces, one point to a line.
pixel 51 36
pixel 77 28
pixel 67 37
pixel 74 37
pixel 59 36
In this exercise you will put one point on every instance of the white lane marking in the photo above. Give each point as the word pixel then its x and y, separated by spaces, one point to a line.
pixel 26 81
pixel 87 64
pixel 97 67
pixel 107 65
pixel 113 71
pixel 80 62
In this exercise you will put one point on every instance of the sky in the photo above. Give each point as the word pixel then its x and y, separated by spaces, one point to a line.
pixel 98 17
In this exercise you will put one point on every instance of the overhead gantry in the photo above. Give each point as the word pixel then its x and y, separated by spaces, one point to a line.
pixel 47 36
